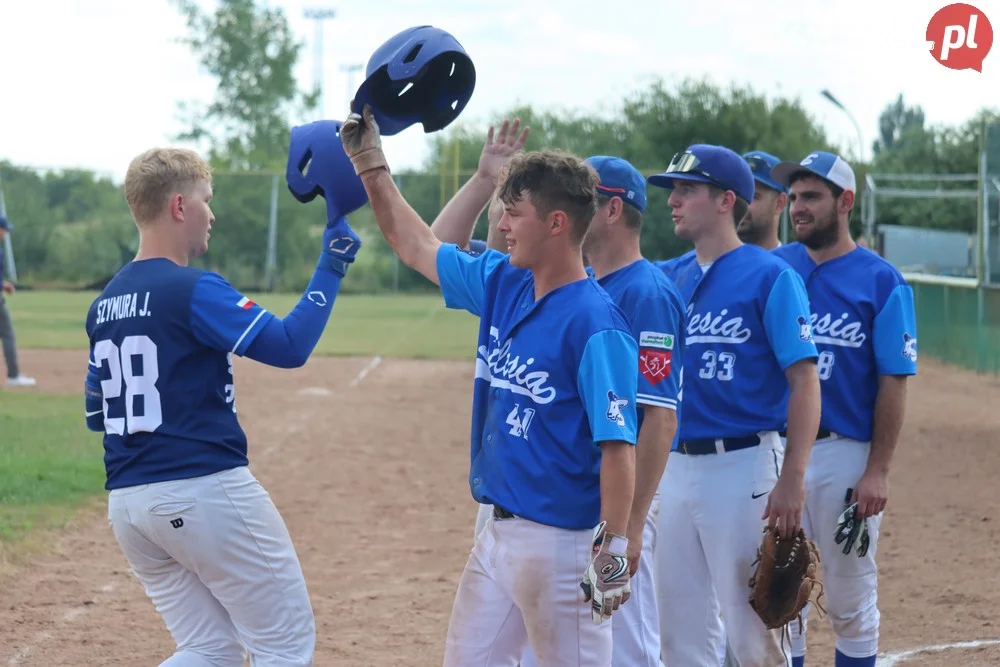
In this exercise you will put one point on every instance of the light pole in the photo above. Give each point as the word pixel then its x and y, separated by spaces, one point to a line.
pixel 861 146
pixel 319 14
pixel 350 69
pixel 869 232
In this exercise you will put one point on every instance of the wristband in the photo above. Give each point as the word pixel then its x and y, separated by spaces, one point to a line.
pixel 618 544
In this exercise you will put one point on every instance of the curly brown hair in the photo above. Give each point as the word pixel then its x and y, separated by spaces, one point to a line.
pixel 552 181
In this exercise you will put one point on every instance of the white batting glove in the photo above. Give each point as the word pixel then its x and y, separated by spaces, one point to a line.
pixel 607 583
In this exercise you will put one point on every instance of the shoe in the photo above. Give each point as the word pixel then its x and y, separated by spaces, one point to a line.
pixel 21 381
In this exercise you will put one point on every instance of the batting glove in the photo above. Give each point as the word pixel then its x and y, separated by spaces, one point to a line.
pixel 850 529
pixel 340 245
pixel 606 583
pixel 362 141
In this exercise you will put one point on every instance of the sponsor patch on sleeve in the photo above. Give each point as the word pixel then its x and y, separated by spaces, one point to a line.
pixel 655 339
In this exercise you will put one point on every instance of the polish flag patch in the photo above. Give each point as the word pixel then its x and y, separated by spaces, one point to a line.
pixel 245 303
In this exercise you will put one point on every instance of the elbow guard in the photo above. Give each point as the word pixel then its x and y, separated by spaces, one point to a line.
pixel 94 404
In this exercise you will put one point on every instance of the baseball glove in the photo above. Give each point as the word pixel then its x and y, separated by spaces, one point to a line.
pixel 785 578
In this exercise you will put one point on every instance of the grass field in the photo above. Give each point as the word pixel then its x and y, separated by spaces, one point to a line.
pixel 417 326
pixel 50 462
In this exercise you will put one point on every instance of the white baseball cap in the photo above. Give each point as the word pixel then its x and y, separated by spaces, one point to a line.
pixel 827 166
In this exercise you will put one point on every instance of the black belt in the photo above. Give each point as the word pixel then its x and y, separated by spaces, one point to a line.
pixel 699 447
pixel 822 433
pixel 501 513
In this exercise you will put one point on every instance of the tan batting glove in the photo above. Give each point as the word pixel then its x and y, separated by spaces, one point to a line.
pixel 362 141
pixel 607 583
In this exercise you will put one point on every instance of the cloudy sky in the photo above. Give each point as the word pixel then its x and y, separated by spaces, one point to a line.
pixel 79 88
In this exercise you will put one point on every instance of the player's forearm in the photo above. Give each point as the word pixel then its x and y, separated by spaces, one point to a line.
pixel 456 221
pixel 288 343
pixel 804 405
pixel 888 421
pixel 617 484
pixel 93 400
pixel 655 436
pixel 404 230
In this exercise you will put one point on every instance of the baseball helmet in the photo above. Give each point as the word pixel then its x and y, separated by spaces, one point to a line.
pixel 420 75
pixel 318 165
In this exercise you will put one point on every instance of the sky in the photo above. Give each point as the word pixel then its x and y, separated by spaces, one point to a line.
pixel 91 83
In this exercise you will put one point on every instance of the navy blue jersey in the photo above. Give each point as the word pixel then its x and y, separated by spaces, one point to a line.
pixel 162 339
pixel 554 378
pixel 864 325
pixel 747 321
pixel 655 311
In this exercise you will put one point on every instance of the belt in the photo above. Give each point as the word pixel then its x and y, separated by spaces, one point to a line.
pixel 717 446
pixel 820 435
pixel 501 513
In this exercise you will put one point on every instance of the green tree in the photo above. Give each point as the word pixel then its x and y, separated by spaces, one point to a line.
pixel 895 120
pixel 252 52
pixel 650 126
pixel 922 150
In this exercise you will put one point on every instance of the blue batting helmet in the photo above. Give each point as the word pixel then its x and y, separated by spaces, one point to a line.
pixel 318 165
pixel 421 75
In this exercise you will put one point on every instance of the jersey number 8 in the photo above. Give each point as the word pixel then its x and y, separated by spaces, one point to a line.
pixel 824 365
pixel 121 367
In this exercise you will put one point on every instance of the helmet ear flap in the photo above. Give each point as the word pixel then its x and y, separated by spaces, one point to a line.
pixel 318 166
pixel 296 174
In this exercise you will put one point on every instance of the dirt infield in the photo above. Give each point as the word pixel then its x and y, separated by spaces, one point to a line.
pixel 373 476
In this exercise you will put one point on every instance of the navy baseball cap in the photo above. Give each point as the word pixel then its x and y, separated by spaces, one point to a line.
pixel 5 223
pixel 706 163
pixel 761 164
pixel 829 167
pixel 618 178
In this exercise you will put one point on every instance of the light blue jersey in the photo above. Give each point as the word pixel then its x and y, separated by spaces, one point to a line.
pixel 553 379
pixel 747 322
pixel 655 310
pixel 864 325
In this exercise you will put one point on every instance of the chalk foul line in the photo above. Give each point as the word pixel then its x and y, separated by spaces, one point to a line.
pixel 893 658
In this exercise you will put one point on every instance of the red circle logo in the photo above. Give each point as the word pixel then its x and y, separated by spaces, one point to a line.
pixel 959 36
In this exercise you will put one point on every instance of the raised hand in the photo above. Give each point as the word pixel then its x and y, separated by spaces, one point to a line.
pixel 499 147
pixel 362 141
pixel 340 246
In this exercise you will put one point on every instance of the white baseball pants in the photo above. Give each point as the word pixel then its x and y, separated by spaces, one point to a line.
pixel 709 528
pixel 521 587
pixel 635 629
pixel 216 559
pixel 850 583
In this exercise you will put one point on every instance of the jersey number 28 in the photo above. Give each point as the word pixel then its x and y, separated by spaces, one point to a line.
pixel 138 382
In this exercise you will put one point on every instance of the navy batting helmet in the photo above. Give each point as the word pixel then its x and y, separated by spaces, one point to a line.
pixel 318 165
pixel 421 75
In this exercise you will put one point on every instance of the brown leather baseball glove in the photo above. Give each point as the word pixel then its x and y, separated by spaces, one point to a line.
pixel 785 577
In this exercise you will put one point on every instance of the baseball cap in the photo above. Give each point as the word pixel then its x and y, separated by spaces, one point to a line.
pixel 618 178
pixel 707 163
pixel 827 166
pixel 5 223
pixel 761 164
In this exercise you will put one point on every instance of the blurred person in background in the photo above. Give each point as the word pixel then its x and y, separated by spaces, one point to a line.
pixel 14 377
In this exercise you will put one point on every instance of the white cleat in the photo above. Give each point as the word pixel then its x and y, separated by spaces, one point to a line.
pixel 21 381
